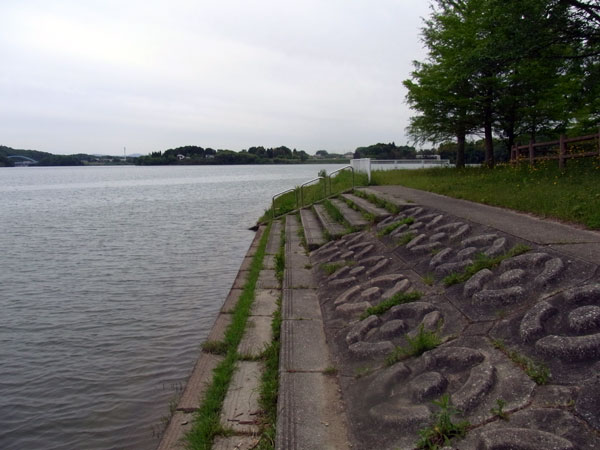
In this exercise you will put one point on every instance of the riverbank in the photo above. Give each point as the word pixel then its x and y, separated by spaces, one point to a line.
pixel 380 334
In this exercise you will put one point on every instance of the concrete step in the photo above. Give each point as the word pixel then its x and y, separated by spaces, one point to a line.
pixel 400 203
pixel 313 231
pixel 334 229
pixel 309 408
pixel 369 207
pixel 240 411
pixel 354 218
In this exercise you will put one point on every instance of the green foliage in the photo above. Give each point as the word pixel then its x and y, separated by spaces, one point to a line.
pixel 214 347
pixel 425 340
pixel 386 151
pixel 331 371
pixel 499 409
pixel 397 299
pixel 514 70
pixel 192 154
pixel 443 430
pixel 573 195
pixel 538 372
pixel 378 201
pixel 334 213
pixel 428 279
pixel 406 238
pixel 484 262
pixel 387 230
pixel 330 268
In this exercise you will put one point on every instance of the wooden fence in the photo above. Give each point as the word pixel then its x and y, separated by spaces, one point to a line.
pixel 554 150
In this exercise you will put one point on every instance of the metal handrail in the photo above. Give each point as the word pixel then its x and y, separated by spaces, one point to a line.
pixel 280 194
pixel 339 170
pixel 308 182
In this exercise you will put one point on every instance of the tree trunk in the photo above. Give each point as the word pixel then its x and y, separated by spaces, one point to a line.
pixel 460 147
pixel 489 143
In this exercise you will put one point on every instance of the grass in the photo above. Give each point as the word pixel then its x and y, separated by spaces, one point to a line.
pixel 498 410
pixel 397 299
pixel 572 195
pixel 330 371
pixel 390 207
pixel 312 193
pixel 214 347
pixel 484 262
pixel 429 279
pixel 330 268
pixel 269 386
pixel 362 372
pixel 206 420
pixel 269 383
pixel 406 238
pixel 387 230
pixel 425 340
pixel 443 430
pixel 280 256
pixel 538 372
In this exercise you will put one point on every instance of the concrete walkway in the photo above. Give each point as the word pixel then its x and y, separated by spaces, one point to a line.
pixel 567 239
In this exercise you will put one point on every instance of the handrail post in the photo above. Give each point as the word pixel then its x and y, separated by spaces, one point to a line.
pixel 302 189
pixel 279 194
pixel 336 171
pixel 531 155
pixel 563 152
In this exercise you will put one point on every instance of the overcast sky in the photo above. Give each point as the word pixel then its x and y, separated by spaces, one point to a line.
pixel 96 76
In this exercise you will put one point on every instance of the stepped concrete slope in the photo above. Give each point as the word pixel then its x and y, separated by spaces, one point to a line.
pixel 376 211
pixel 240 408
pixel 538 310
pixel 334 229
pixel 354 218
pixel 313 231
pixel 310 415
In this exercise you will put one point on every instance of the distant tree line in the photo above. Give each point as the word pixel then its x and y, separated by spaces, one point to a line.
pixel 508 72
pixel 191 154
pixel 386 151
pixel 49 159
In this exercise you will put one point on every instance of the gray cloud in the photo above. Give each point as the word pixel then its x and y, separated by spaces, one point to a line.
pixel 95 76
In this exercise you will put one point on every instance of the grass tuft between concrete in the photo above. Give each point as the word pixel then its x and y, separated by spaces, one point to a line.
pixel 207 419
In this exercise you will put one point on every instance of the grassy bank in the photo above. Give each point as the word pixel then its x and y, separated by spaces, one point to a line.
pixel 314 192
pixel 572 195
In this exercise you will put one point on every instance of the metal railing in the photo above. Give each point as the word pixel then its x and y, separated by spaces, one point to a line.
pixel 301 189
pixel 339 170
pixel 308 182
pixel 279 194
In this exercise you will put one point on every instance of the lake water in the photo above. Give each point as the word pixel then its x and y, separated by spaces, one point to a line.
pixel 110 278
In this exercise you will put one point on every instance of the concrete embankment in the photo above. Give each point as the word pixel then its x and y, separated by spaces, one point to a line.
pixel 240 406
pixel 503 308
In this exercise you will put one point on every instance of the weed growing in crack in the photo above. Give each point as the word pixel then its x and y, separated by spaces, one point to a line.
pixel 387 230
pixel 425 340
pixel 499 410
pixel 331 371
pixel 428 279
pixel 214 347
pixel 397 299
pixel 538 372
pixel 406 238
pixel 443 430
pixel 484 262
